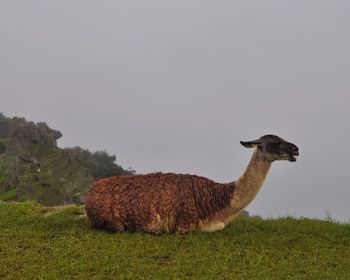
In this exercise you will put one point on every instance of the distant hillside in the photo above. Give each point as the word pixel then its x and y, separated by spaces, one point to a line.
pixel 33 167
pixel 56 243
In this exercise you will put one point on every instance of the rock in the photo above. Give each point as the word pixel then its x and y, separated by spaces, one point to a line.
pixel 63 180
pixel 32 160
pixel 25 159
pixel 35 161
pixel 34 168
pixel 46 185
pixel 28 133
pixel 55 134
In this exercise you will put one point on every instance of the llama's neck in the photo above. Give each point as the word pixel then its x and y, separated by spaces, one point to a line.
pixel 248 185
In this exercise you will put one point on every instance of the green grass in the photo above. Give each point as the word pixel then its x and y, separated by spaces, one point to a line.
pixel 2 172
pixel 61 246
pixel 8 195
pixel 2 176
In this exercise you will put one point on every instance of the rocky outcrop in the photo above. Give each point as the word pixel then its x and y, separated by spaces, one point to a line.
pixel 33 167
pixel 28 133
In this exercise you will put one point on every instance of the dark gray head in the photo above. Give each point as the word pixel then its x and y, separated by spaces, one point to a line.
pixel 274 148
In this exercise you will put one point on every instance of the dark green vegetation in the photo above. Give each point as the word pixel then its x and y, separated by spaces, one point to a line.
pixel 99 164
pixel 33 167
pixel 35 245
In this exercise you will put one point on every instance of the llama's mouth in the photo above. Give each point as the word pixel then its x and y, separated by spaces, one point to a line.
pixel 292 157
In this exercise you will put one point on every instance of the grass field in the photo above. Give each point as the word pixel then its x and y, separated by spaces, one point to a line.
pixel 43 243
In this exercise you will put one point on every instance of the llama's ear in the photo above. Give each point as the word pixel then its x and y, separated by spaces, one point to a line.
pixel 251 144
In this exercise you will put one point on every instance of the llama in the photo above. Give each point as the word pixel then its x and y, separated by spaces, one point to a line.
pixel 179 203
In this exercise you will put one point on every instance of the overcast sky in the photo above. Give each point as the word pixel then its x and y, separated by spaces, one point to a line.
pixel 175 85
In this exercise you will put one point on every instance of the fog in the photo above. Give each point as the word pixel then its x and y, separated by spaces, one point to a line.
pixel 173 86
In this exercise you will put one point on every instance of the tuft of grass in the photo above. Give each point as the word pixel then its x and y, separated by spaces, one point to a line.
pixel 38 242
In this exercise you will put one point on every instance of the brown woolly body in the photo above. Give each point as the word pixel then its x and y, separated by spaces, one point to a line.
pixel 159 203
pixel 180 203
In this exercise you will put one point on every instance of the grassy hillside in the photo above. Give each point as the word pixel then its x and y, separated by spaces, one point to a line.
pixel 44 243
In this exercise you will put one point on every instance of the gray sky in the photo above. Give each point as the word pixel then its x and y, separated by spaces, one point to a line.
pixel 174 85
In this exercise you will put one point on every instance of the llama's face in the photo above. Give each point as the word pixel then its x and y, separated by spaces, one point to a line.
pixel 274 148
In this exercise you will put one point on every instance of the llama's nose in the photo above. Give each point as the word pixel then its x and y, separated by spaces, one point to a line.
pixel 296 150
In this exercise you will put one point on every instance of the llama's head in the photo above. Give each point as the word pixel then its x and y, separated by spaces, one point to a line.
pixel 274 148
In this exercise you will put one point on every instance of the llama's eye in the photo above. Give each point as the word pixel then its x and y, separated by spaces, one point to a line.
pixel 277 143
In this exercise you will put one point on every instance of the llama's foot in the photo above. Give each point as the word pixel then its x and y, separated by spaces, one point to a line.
pixel 213 227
